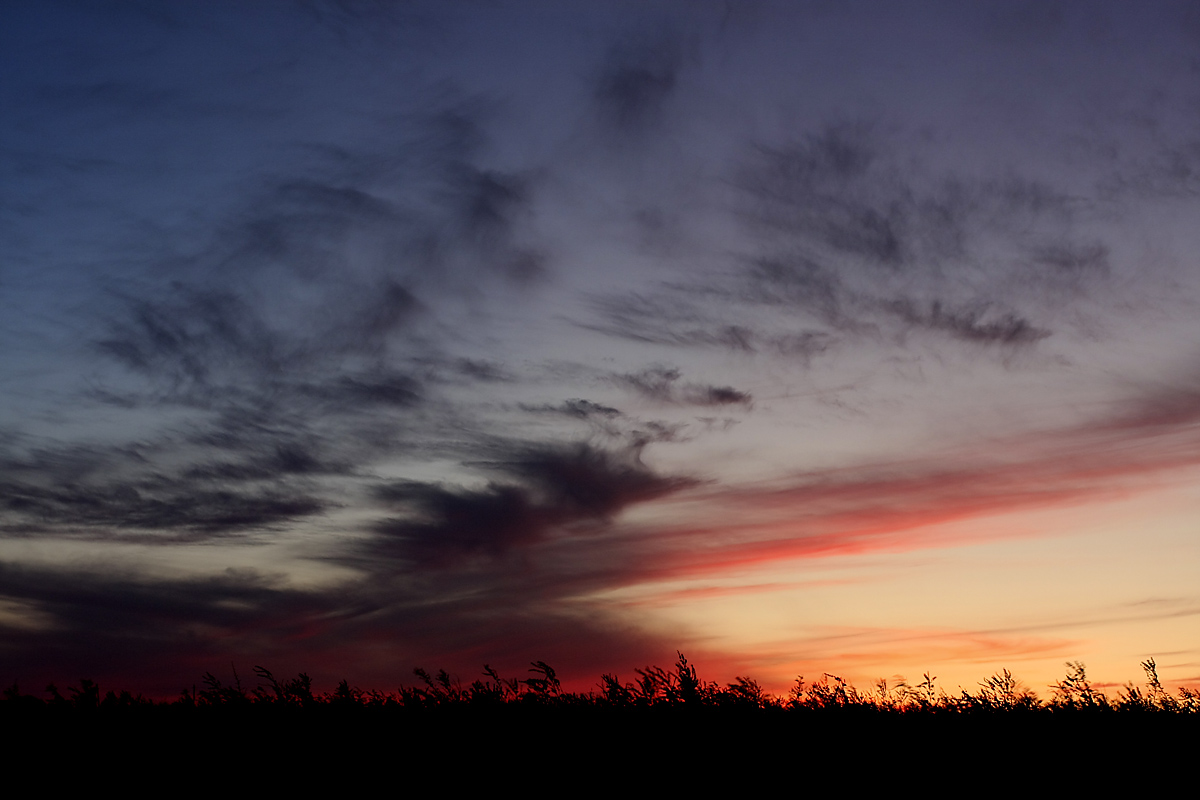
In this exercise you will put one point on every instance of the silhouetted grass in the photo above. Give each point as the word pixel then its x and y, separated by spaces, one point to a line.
pixel 676 689
pixel 666 723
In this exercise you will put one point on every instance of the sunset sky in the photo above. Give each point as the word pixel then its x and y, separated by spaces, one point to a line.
pixel 352 336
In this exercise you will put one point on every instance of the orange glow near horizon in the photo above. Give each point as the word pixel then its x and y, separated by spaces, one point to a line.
pixel 958 595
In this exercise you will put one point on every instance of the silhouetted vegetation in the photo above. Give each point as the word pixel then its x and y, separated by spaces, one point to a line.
pixel 654 688
pixel 667 726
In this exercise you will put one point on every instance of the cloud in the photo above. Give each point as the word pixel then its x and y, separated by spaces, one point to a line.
pixel 480 370
pixel 907 504
pixel 709 316
pixel 484 215
pixel 395 390
pixel 154 634
pixel 578 409
pixel 851 247
pixel 542 489
pixel 158 634
pixel 1169 410
pixel 979 324
pixel 668 318
pixel 847 247
pixel 184 513
pixel 286 458
pixel 92 492
pixel 799 282
pixel 636 83
pixel 446 591
pixel 661 385
pixel 295 340
pixel 453 525
pixel 193 343
pixel 486 201
pixel 840 201
pixel 811 288
pixel 830 188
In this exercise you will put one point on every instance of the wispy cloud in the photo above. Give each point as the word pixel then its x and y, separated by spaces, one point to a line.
pixel 661 385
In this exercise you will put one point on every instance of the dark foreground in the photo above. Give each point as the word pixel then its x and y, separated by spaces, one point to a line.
pixel 666 731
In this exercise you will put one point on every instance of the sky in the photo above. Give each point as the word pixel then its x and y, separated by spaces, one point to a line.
pixel 352 336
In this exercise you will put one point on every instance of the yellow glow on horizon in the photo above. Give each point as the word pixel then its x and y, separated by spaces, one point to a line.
pixel 1026 591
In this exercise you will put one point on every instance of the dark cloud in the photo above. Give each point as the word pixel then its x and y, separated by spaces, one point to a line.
pixel 831 208
pixel 82 599
pixel 216 349
pixel 213 501
pixel 835 194
pixel 807 286
pixel 687 316
pixel 798 282
pixel 634 433
pixel 981 324
pixel 387 390
pixel 269 362
pixel 715 396
pixel 587 482
pixel 586 408
pixel 487 201
pixel 335 437
pixel 828 188
pixel 484 213
pixel 542 489
pixel 842 198
pixel 479 370
pixel 577 408
pixel 130 625
pixel 858 242
pixel 158 632
pixel 229 478
pixel 301 228
pixel 648 431
pixel 251 431
pixel 655 383
pixel 661 385
pixel 285 459
pixel 192 341
pixel 299 332
pixel 667 318
pixel 452 525
pixel 636 83
pixel 488 207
